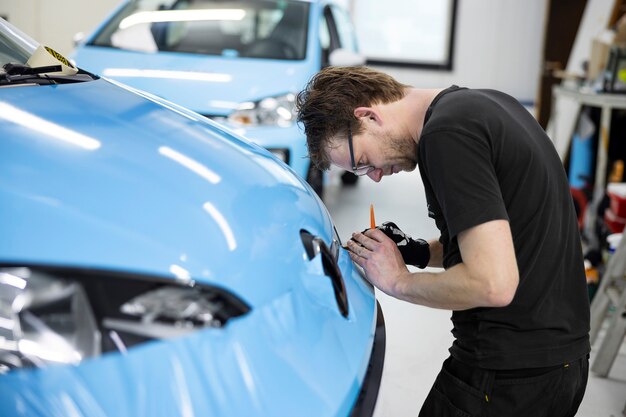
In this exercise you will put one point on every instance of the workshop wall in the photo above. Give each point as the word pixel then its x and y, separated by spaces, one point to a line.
pixel 498 43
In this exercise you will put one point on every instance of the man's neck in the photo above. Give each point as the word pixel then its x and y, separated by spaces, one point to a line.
pixel 416 103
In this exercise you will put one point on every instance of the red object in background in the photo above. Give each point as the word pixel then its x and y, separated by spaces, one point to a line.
pixel 617 204
pixel 580 202
pixel 613 221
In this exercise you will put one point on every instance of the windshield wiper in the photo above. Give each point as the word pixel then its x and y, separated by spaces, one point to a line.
pixel 22 74
pixel 19 69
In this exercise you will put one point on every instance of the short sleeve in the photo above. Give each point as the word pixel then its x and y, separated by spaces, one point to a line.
pixel 460 170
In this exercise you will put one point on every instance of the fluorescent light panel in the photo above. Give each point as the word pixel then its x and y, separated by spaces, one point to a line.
pixel 181 16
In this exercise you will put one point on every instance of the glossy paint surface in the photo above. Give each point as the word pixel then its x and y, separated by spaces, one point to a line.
pixel 94 175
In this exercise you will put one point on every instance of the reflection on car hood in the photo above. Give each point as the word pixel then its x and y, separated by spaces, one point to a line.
pixel 96 176
pixel 206 84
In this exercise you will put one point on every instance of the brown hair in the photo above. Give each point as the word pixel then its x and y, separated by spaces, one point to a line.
pixel 326 105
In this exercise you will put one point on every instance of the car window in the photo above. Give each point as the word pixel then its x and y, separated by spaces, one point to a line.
pixel 24 62
pixel 273 29
pixel 345 30
pixel 324 37
pixel 324 34
pixel 15 46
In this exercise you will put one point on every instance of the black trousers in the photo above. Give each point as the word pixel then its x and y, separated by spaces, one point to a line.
pixel 461 390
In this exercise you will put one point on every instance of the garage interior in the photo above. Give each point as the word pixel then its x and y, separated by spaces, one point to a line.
pixel 522 48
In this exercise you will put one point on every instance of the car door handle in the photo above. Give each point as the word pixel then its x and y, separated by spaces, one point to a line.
pixel 315 247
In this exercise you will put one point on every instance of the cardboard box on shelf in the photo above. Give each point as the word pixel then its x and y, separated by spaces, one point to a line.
pixel 600 47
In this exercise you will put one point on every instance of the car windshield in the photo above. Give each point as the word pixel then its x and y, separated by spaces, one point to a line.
pixel 15 46
pixel 251 28
pixel 17 49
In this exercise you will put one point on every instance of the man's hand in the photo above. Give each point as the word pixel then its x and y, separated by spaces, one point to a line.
pixel 379 257
pixel 415 252
pixel 487 277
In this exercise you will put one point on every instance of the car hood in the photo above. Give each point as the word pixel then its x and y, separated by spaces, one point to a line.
pixel 97 176
pixel 209 85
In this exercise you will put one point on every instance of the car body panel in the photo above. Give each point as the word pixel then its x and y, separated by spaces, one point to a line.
pixel 236 80
pixel 104 179
pixel 147 176
pixel 302 368
pixel 155 222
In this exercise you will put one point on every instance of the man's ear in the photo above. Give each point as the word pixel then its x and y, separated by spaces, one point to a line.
pixel 368 113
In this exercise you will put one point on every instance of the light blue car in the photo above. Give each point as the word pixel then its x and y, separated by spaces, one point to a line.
pixel 240 62
pixel 155 264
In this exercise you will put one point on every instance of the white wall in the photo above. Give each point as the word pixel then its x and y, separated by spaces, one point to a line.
pixel 55 22
pixel 498 43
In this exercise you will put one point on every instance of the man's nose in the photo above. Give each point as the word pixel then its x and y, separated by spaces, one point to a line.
pixel 376 175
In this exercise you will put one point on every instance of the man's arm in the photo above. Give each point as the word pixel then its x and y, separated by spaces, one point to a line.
pixel 487 277
pixel 436 253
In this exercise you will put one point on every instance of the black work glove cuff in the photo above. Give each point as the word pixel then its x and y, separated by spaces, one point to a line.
pixel 415 252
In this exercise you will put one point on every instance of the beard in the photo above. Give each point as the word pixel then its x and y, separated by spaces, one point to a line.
pixel 402 153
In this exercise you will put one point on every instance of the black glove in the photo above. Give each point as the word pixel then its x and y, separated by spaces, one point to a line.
pixel 414 251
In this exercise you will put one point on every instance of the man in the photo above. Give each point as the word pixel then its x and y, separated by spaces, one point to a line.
pixel 509 243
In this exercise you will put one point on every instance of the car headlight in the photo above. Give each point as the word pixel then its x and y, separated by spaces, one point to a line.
pixel 67 316
pixel 270 111
pixel 44 320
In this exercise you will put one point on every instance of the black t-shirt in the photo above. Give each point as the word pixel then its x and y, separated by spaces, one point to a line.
pixel 483 157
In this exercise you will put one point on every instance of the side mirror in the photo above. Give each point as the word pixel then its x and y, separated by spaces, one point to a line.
pixel 78 38
pixel 344 58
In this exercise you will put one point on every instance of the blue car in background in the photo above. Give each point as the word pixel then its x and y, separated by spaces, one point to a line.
pixel 240 62
pixel 153 263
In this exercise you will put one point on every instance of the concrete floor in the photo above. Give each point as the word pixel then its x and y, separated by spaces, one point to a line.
pixel 418 338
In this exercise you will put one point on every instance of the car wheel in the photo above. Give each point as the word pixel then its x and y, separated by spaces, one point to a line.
pixel 315 178
pixel 348 178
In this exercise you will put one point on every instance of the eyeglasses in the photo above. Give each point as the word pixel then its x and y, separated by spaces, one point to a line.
pixel 362 170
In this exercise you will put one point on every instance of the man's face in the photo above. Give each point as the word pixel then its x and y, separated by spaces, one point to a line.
pixel 386 154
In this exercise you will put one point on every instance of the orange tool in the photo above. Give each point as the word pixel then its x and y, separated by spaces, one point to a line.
pixel 372 219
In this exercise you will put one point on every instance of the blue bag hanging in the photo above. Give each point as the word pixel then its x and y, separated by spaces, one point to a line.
pixel 582 153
